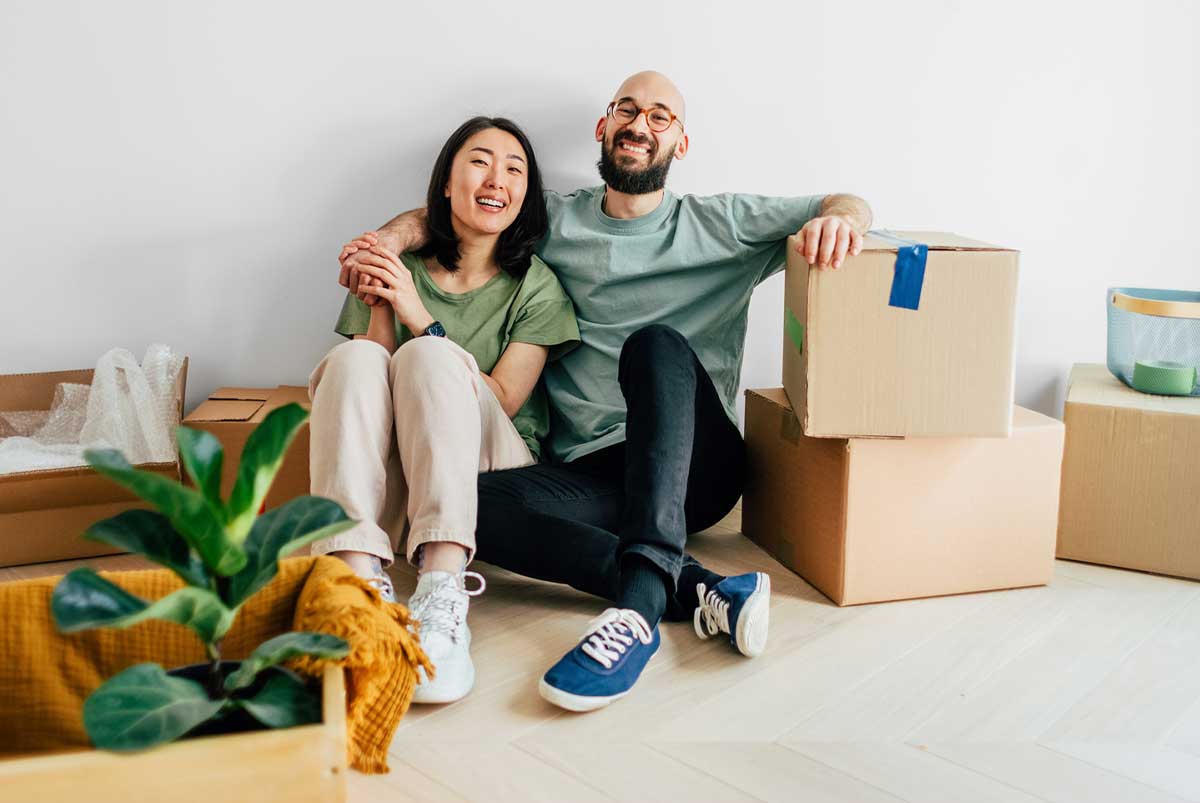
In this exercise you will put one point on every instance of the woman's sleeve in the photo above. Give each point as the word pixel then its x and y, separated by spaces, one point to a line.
pixel 547 316
pixel 355 317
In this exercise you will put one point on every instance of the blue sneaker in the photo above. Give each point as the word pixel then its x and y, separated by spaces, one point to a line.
pixel 739 606
pixel 604 665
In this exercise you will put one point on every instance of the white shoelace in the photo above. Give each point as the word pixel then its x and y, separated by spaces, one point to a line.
pixel 712 617
pixel 612 632
pixel 443 609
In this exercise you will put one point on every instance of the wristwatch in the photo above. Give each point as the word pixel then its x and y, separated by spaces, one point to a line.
pixel 434 329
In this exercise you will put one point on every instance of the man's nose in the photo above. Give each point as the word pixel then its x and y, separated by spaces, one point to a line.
pixel 639 125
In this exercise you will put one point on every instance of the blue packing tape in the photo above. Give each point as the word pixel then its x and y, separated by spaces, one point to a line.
pixel 909 274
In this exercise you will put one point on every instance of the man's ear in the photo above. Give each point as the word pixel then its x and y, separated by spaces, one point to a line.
pixel 681 147
pixel 600 129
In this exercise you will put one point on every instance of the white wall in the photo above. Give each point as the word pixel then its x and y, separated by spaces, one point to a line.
pixel 186 172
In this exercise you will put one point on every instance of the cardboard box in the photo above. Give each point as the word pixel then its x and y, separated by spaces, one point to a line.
pixel 1130 477
pixel 232 414
pixel 856 364
pixel 43 513
pixel 875 519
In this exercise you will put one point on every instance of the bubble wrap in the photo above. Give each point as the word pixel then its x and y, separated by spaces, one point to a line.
pixel 128 406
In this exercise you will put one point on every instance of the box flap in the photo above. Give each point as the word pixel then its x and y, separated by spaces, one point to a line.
pixel 1094 384
pixel 242 394
pixel 936 240
pixel 224 410
pixel 777 396
pixel 36 391
pixel 285 394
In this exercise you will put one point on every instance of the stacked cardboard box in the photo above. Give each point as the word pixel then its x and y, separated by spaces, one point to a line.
pixel 896 465
pixel 231 414
pixel 44 513
pixel 1130 477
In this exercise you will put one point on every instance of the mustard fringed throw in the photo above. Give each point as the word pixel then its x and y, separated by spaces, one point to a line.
pixel 46 675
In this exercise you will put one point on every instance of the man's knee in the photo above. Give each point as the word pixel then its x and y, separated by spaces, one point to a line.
pixel 653 344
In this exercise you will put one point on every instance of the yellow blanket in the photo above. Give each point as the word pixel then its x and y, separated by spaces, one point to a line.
pixel 46 675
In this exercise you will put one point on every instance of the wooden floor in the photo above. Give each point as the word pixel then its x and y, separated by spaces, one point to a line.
pixel 1084 691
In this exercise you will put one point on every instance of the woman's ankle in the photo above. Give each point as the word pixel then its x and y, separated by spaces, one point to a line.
pixel 441 556
pixel 364 564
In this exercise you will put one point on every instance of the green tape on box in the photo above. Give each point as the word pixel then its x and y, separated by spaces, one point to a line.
pixel 794 329
pixel 1164 378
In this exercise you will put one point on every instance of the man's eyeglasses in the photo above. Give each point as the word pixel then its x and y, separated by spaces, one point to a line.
pixel 658 119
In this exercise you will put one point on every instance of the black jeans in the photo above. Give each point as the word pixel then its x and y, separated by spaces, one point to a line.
pixel 680 471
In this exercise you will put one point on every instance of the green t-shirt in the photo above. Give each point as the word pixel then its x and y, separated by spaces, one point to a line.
pixel 532 309
pixel 691 264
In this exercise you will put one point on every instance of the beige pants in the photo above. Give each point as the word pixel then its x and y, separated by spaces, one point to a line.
pixel 448 427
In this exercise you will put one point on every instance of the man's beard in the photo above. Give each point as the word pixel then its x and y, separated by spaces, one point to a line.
pixel 632 182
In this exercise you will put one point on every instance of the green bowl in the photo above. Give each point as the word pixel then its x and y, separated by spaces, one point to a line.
pixel 1164 378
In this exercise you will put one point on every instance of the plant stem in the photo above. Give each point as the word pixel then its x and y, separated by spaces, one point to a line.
pixel 216 683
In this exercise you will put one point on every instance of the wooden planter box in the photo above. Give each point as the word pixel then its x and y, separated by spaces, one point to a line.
pixel 306 764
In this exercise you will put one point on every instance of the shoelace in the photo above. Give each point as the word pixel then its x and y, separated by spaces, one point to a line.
pixel 712 617
pixel 383 584
pixel 610 633
pixel 441 608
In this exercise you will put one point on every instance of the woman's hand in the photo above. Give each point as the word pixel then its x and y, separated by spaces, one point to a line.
pixel 350 276
pixel 395 286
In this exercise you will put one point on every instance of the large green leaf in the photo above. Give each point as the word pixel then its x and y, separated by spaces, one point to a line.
pixel 283 648
pixel 261 459
pixel 84 599
pixel 144 706
pixel 188 511
pixel 283 702
pixel 279 532
pixel 202 458
pixel 151 535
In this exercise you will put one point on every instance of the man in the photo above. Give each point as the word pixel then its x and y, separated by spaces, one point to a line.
pixel 644 444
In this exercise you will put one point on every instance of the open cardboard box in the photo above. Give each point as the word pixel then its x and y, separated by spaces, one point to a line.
pixel 43 513
pixel 231 414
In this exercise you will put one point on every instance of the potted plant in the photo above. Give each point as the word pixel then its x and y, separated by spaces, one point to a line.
pixel 225 552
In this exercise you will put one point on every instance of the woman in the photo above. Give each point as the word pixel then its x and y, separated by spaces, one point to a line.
pixel 444 365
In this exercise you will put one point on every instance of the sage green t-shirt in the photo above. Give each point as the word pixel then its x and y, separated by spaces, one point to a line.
pixel 533 309
pixel 691 264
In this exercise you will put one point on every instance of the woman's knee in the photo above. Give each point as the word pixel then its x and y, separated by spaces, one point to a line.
pixel 349 360
pixel 428 358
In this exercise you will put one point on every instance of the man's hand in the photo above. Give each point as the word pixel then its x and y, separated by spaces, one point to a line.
pixel 825 241
pixel 351 275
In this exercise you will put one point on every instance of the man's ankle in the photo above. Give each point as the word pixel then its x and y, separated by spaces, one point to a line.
pixel 643 588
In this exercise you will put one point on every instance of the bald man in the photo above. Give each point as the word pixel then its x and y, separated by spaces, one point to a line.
pixel 644 447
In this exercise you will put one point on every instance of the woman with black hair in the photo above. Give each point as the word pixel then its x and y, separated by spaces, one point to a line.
pixel 440 382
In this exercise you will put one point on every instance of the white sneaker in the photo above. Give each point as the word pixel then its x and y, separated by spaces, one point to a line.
pixel 440 607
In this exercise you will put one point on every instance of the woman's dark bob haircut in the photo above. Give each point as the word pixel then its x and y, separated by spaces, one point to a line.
pixel 515 247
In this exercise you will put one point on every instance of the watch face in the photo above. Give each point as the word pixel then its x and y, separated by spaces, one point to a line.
pixel 435 329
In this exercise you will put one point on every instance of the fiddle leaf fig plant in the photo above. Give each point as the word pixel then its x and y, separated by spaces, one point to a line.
pixel 225 551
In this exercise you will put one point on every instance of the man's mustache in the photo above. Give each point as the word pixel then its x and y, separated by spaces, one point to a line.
pixel 632 139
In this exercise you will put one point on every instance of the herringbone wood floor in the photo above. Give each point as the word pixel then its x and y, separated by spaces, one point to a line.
pixel 1087 690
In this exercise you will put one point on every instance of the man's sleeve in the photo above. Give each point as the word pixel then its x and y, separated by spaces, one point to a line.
pixel 355 317
pixel 761 220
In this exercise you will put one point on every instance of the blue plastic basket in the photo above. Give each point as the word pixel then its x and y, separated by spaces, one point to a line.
pixel 1154 340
